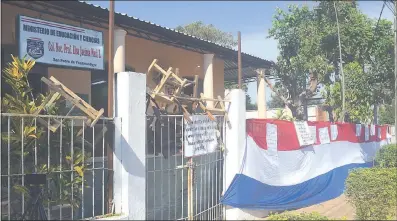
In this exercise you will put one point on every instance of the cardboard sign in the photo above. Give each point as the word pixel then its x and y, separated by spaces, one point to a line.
pixel 303 132
pixel 200 136
pixel 366 131
pixel 324 135
pixel 313 131
pixel 358 130
pixel 271 138
pixel 334 131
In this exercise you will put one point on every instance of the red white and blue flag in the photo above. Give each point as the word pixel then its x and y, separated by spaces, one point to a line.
pixel 278 173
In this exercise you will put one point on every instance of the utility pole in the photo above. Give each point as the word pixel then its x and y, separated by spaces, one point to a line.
pixel 341 66
pixel 110 59
pixel 395 70
pixel 239 61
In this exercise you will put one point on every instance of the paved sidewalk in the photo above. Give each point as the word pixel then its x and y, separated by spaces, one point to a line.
pixel 335 208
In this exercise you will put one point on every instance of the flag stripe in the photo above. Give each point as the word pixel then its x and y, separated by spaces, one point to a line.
pixel 288 140
pixel 288 168
pixel 247 193
pixel 291 176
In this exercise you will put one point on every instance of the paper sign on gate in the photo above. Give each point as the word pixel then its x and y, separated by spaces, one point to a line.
pixel 313 131
pixel 271 138
pixel 334 131
pixel 379 133
pixel 200 136
pixel 303 132
pixel 372 130
pixel 324 135
pixel 366 133
pixel 358 130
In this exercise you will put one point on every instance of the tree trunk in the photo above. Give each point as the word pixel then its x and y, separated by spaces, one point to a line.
pixel 305 113
pixel 375 114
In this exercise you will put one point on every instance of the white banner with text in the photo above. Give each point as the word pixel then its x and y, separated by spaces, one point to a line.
pixel 60 44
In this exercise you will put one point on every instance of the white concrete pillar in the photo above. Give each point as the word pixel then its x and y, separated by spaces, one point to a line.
pixel 261 94
pixel 235 141
pixel 119 50
pixel 235 134
pixel 130 144
pixel 208 68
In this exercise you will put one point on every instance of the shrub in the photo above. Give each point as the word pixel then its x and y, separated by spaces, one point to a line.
pixel 299 216
pixel 33 139
pixel 373 193
pixel 387 156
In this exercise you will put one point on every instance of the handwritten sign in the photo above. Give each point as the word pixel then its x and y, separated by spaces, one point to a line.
pixel 372 130
pixel 324 135
pixel 358 130
pixel 271 138
pixel 303 132
pixel 334 131
pixel 379 133
pixel 313 131
pixel 366 133
pixel 200 136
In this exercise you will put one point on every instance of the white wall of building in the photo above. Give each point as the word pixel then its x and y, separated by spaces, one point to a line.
pixel 271 113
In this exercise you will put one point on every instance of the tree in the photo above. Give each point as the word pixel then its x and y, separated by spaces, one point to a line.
pixel 275 102
pixel 213 34
pixel 359 99
pixel 386 114
pixel 249 105
pixel 301 61
pixel 209 33
pixel 309 55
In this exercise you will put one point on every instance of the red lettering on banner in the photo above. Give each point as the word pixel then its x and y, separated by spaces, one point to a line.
pixel 51 46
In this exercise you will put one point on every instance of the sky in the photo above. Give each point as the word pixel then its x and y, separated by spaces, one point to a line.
pixel 252 18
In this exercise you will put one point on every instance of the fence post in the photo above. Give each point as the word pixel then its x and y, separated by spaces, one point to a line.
pixel 190 172
pixel 130 145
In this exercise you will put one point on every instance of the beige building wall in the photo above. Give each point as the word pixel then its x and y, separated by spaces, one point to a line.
pixel 75 80
pixel 139 53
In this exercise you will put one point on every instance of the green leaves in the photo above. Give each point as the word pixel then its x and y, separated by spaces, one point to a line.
pixel 357 94
pixel 209 33
pixel 386 157
pixel 386 114
pixel 308 43
pixel 373 193
pixel 282 115
pixel 38 145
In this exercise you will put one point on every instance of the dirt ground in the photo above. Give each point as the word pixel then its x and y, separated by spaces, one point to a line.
pixel 335 208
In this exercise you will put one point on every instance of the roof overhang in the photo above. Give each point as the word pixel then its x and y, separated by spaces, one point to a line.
pixel 97 16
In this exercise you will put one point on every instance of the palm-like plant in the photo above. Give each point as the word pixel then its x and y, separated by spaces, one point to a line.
pixel 281 115
pixel 28 140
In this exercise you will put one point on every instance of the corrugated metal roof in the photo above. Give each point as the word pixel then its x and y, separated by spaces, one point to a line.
pixel 95 15
pixel 167 28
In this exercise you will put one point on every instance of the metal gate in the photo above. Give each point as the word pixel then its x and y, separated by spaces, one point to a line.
pixel 179 188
